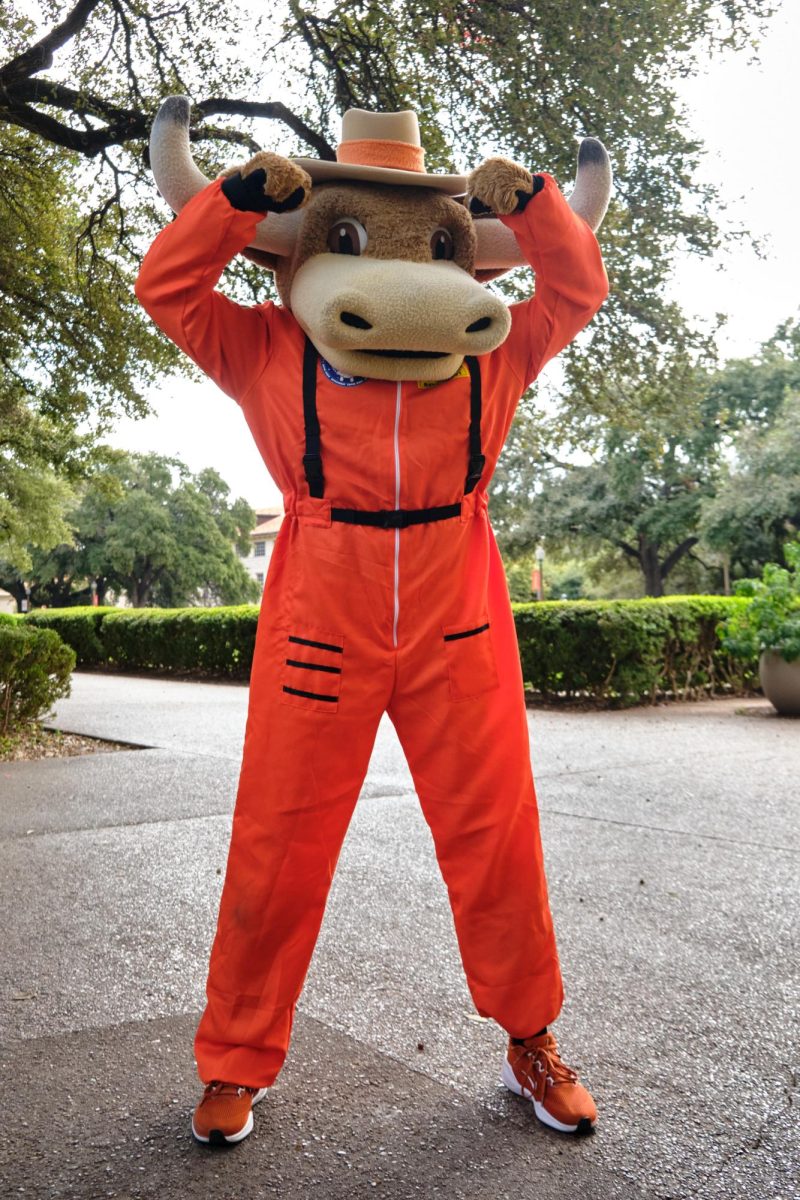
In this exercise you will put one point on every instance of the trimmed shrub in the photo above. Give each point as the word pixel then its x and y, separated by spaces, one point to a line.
pixel 79 627
pixel 605 652
pixel 629 651
pixel 212 641
pixel 35 669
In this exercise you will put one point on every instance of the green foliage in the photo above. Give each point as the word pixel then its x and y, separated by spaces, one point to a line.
pixel 757 502
pixel 75 350
pixel 192 641
pixel 628 651
pixel 771 619
pixel 35 669
pixel 79 627
pixel 651 493
pixel 606 652
pixel 147 527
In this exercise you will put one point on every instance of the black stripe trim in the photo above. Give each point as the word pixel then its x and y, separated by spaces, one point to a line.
pixel 293 662
pixel 455 637
pixel 298 641
pixel 310 695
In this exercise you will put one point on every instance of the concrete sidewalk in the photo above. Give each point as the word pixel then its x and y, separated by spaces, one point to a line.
pixel 672 843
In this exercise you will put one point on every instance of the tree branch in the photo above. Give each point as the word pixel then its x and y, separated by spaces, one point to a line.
pixel 272 110
pixel 629 550
pixel 40 54
pixel 677 554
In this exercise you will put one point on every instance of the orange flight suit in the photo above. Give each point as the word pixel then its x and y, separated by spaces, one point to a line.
pixel 359 620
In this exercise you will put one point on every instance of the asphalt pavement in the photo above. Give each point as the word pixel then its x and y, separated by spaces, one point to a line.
pixel 672 844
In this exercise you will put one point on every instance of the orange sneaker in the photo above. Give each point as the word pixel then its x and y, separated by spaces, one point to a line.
pixel 225 1114
pixel 534 1069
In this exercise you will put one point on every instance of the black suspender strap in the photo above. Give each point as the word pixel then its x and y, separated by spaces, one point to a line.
pixel 312 459
pixel 398 518
pixel 477 460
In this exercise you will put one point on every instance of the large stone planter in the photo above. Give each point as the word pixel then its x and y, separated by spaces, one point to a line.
pixel 781 682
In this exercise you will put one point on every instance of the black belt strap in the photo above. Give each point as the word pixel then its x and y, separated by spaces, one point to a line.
pixel 395 518
pixel 312 459
pixel 388 518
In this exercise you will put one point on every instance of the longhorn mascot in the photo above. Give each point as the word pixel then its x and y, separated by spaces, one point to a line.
pixel 379 393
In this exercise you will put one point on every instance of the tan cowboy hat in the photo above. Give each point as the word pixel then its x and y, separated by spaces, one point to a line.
pixel 381 148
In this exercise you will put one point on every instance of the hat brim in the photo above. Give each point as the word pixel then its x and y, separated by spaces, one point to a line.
pixel 323 171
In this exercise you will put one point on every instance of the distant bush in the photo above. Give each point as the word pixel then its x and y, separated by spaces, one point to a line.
pixel 35 669
pixel 79 627
pixel 602 651
pixel 629 651
pixel 208 641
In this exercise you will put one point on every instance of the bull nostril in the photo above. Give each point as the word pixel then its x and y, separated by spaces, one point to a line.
pixel 348 318
pixel 479 325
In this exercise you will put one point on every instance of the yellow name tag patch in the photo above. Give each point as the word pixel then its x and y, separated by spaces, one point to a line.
pixel 461 373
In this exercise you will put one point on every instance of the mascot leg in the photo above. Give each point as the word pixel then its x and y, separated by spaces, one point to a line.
pixel 459 712
pixel 303 767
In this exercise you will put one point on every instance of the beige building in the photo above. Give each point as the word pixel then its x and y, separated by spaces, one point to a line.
pixel 7 602
pixel 262 540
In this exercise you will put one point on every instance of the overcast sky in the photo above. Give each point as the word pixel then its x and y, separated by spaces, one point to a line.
pixel 746 115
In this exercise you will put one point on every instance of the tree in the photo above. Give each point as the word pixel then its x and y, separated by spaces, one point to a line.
pixel 756 508
pixel 80 85
pixel 148 528
pixel 73 348
pixel 651 494
pixel 524 78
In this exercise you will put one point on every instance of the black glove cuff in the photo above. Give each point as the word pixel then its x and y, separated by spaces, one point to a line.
pixel 524 198
pixel 479 209
pixel 248 194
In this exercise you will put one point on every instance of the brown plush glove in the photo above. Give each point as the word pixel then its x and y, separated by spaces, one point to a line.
pixel 501 186
pixel 267 183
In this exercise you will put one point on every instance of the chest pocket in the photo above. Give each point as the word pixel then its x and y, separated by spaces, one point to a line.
pixel 471 665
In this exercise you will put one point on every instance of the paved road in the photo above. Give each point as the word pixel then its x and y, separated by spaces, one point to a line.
pixel 672 843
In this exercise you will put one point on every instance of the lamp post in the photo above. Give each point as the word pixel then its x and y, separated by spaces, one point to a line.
pixel 537 574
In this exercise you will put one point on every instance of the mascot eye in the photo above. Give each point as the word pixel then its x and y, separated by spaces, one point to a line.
pixel 347 237
pixel 442 244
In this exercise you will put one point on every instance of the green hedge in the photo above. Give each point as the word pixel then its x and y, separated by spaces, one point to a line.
pixel 606 652
pixel 629 651
pixel 79 627
pixel 192 641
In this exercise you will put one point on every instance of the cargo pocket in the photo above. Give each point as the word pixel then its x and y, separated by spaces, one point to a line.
pixel 312 671
pixel 471 665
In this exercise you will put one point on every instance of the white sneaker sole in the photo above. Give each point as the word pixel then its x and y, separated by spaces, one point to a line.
pixel 231 1138
pixel 512 1083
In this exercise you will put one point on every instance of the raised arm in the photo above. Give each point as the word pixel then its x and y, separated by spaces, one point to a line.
pixel 571 282
pixel 177 280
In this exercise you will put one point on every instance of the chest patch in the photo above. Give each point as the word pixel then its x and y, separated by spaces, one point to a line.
pixel 338 378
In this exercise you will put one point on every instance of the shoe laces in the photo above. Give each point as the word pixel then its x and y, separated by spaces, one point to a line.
pixel 545 1060
pixel 218 1088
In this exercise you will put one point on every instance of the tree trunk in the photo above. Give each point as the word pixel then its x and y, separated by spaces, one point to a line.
pixel 651 567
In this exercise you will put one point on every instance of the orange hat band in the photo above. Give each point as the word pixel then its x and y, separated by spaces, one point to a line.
pixel 380 152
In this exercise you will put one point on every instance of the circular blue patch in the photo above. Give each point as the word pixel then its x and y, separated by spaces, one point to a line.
pixel 337 377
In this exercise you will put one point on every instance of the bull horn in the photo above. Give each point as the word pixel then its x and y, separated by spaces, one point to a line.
pixel 592 190
pixel 178 178
pixel 497 249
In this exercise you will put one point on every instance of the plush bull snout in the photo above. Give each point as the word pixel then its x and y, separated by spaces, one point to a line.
pixel 395 319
